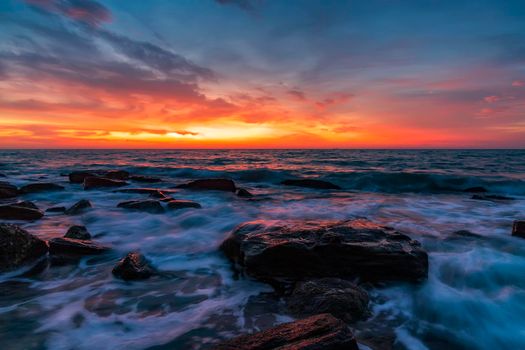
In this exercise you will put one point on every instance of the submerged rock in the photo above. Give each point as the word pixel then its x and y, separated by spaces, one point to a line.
pixel 476 189
pixel 134 266
pixel 295 250
pixel 97 182
pixel 144 190
pixel 518 228
pixel 311 183
pixel 7 190
pixel 2 175
pixel 70 246
pixel 145 179
pixel 182 204
pixel 79 176
pixel 210 184
pixel 148 205
pixel 491 197
pixel 78 232
pixel 20 211
pixel 341 298
pixel 41 187
pixel 117 175
pixel 56 209
pixel 241 192
pixel 319 332
pixel 17 247
pixel 78 207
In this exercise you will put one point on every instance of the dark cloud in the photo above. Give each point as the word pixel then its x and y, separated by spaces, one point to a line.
pixel 297 94
pixel 86 11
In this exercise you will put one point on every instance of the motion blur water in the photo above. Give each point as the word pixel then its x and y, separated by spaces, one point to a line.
pixel 474 297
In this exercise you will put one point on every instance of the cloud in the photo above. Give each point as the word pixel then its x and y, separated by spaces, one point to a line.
pixel 86 11
pixel 297 94
pixel 518 83
pixel 334 99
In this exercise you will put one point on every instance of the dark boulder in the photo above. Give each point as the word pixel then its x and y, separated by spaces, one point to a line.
pixel 117 175
pixel 78 177
pixel 134 266
pixel 7 190
pixel 145 179
pixel 210 184
pixel 341 298
pixel 491 197
pixel 148 205
pixel 2 175
pixel 78 207
pixel 311 183
pixel 296 250
pixel 20 211
pixel 17 247
pixel 56 210
pixel 241 192
pixel 476 189
pixel 78 232
pixel 319 332
pixel 98 182
pixel 144 190
pixel 41 187
pixel 182 204
pixel 70 246
pixel 518 228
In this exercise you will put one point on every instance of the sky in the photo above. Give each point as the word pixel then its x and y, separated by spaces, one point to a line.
pixel 262 74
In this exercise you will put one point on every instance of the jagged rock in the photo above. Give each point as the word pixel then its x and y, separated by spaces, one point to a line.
pixel 319 332
pixel 70 246
pixel 311 183
pixel 296 250
pixel 476 189
pixel 17 247
pixel 210 184
pixel 56 209
pixel 134 266
pixel 78 207
pixel 518 228
pixel 79 176
pixel 182 204
pixel 145 179
pixel 343 299
pixel 117 175
pixel 41 187
pixel 97 182
pixel 241 192
pixel 148 205
pixel 20 211
pixel 78 232
pixel 7 190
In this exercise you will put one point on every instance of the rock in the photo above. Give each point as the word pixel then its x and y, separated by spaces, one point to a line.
pixel 7 190
pixel 133 266
pixel 210 184
pixel 296 250
pixel 148 205
pixel 20 211
pixel 518 228
pixel 117 175
pixel 78 207
pixel 78 232
pixel 97 182
pixel 319 332
pixel 2 175
pixel 241 192
pixel 78 177
pixel 144 190
pixel 343 299
pixel 158 194
pixel 476 189
pixel 146 179
pixel 491 197
pixel 17 247
pixel 56 209
pixel 311 183
pixel 41 187
pixel 70 246
pixel 182 204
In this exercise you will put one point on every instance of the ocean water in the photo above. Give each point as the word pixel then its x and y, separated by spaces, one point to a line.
pixel 474 297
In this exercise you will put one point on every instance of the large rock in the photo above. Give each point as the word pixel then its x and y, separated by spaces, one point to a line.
pixel 518 228
pixel 56 210
pixel 18 247
pixel 210 184
pixel 41 187
pixel 242 192
pixel 78 207
pixel 295 250
pixel 320 332
pixel 20 211
pixel 98 182
pixel 341 298
pixel 311 183
pixel 149 205
pixel 134 266
pixel 117 175
pixel 70 246
pixel 78 232
pixel 7 190
pixel 182 204
pixel 79 176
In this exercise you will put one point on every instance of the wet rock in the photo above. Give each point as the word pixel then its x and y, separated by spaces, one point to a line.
pixel 98 182
pixel 241 192
pixel 182 204
pixel 2 175
pixel 158 195
pixel 145 179
pixel 117 175
pixel 476 189
pixel 491 197
pixel 20 211
pixel 78 207
pixel 78 232
pixel 133 266
pixel 148 205
pixel 7 190
pixel 343 299
pixel 78 177
pixel 210 184
pixel 41 187
pixel 311 183
pixel 319 332
pixel 296 250
pixel 70 246
pixel 17 247
pixel 144 190
pixel 56 209
pixel 518 228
